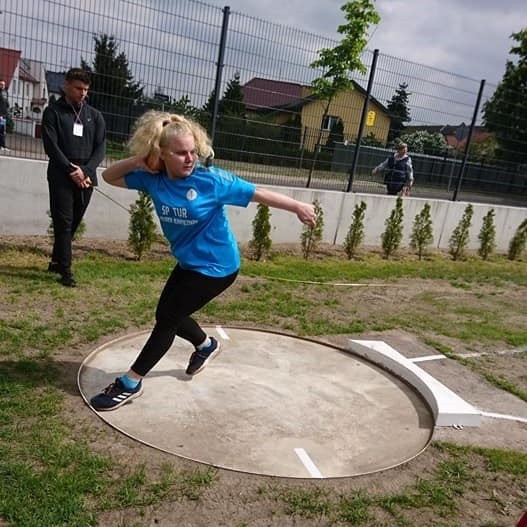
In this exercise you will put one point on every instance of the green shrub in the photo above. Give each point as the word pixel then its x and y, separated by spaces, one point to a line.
pixel 355 233
pixel 311 236
pixel 422 231
pixel 142 227
pixel 393 233
pixel 261 241
pixel 460 237
pixel 487 235
pixel 518 242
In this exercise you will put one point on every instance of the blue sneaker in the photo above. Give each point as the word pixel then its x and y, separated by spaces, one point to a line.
pixel 115 395
pixel 198 360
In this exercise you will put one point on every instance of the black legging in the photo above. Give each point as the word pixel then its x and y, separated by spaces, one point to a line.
pixel 184 293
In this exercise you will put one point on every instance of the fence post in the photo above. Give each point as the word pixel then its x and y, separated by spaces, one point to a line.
pixel 219 71
pixel 469 140
pixel 362 121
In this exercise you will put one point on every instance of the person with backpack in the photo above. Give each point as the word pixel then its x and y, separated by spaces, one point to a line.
pixel 398 171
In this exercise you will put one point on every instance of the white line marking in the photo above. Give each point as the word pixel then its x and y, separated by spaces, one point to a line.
pixel 504 416
pixel 428 357
pixel 522 349
pixel 308 463
pixel 222 333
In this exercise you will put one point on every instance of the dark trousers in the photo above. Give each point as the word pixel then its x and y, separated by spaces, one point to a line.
pixel 184 293
pixel 2 139
pixel 67 204
pixel 394 188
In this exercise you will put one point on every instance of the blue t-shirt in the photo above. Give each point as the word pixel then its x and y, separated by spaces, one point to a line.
pixel 193 218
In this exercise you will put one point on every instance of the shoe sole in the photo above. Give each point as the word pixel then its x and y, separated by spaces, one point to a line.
pixel 122 403
pixel 212 356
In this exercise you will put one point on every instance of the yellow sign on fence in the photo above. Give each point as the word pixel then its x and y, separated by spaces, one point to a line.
pixel 370 119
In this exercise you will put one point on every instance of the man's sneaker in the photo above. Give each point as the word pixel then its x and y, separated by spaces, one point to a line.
pixel 115 395
pixel 198 360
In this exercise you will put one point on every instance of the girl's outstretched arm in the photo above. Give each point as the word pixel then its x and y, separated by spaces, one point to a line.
pixel 305 212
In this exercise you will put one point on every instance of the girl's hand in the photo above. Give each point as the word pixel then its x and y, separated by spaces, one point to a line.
pixel 306 214
pixel 153 163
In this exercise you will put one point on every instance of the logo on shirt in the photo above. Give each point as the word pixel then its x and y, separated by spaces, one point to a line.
pixel 192 194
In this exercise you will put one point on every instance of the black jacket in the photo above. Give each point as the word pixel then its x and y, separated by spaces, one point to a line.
pixel 63 148
pixel 4 104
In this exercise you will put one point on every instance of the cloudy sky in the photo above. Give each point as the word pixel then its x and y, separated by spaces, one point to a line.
pixel 467 37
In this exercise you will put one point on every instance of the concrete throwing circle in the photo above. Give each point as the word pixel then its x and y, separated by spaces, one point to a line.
pixel 269 404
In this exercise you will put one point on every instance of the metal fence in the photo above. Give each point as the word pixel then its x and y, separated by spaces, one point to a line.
pixel 195 58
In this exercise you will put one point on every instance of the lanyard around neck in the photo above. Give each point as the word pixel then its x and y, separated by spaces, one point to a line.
pixel 77 114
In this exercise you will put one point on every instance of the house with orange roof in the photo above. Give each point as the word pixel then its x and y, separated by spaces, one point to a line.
pixel 27 89
pixel 286 102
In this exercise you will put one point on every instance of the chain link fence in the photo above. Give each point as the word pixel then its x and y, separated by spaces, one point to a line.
pixel 248 81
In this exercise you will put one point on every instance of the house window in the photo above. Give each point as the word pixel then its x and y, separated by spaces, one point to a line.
pixel 329 122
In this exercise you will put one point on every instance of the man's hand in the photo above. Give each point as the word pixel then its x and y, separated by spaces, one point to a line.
pixel 86 182
pixel 78 177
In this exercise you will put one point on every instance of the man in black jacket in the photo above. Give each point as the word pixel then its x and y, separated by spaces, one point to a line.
pixel 73 134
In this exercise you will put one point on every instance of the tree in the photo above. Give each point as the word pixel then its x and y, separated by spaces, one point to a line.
pixel 518 241
pixel 261 241
pixel 393 233
pixel 487 235
pixel 422 234
pixel 142 227
pixel 232 101
pixel 112 88
pixel 345 58
pixel 398 111
pixel 505 113
pixel 460 237
pixel 230 104
pixel 183 107
pixel 110 74
pixel 336 134
pixel 423 142
pixel 311 235
pixel 355 233
pixel 371 140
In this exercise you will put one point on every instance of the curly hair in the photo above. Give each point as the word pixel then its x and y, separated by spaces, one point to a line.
pixel 154 129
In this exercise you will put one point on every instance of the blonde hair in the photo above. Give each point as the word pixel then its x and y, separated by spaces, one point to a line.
pixel 154 129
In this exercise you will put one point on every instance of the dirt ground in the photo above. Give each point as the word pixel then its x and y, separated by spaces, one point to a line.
pixel 237 499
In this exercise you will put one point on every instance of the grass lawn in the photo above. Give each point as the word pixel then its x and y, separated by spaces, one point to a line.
pixel 59 465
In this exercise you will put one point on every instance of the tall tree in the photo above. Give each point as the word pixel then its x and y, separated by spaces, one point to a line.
pixel 110 73
pixel 337 63
pixel 232 101
pixel 231 114
pixel 505 113
pixel 231 104
pixel 184 107
pixel 112 88
pixel 398 111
